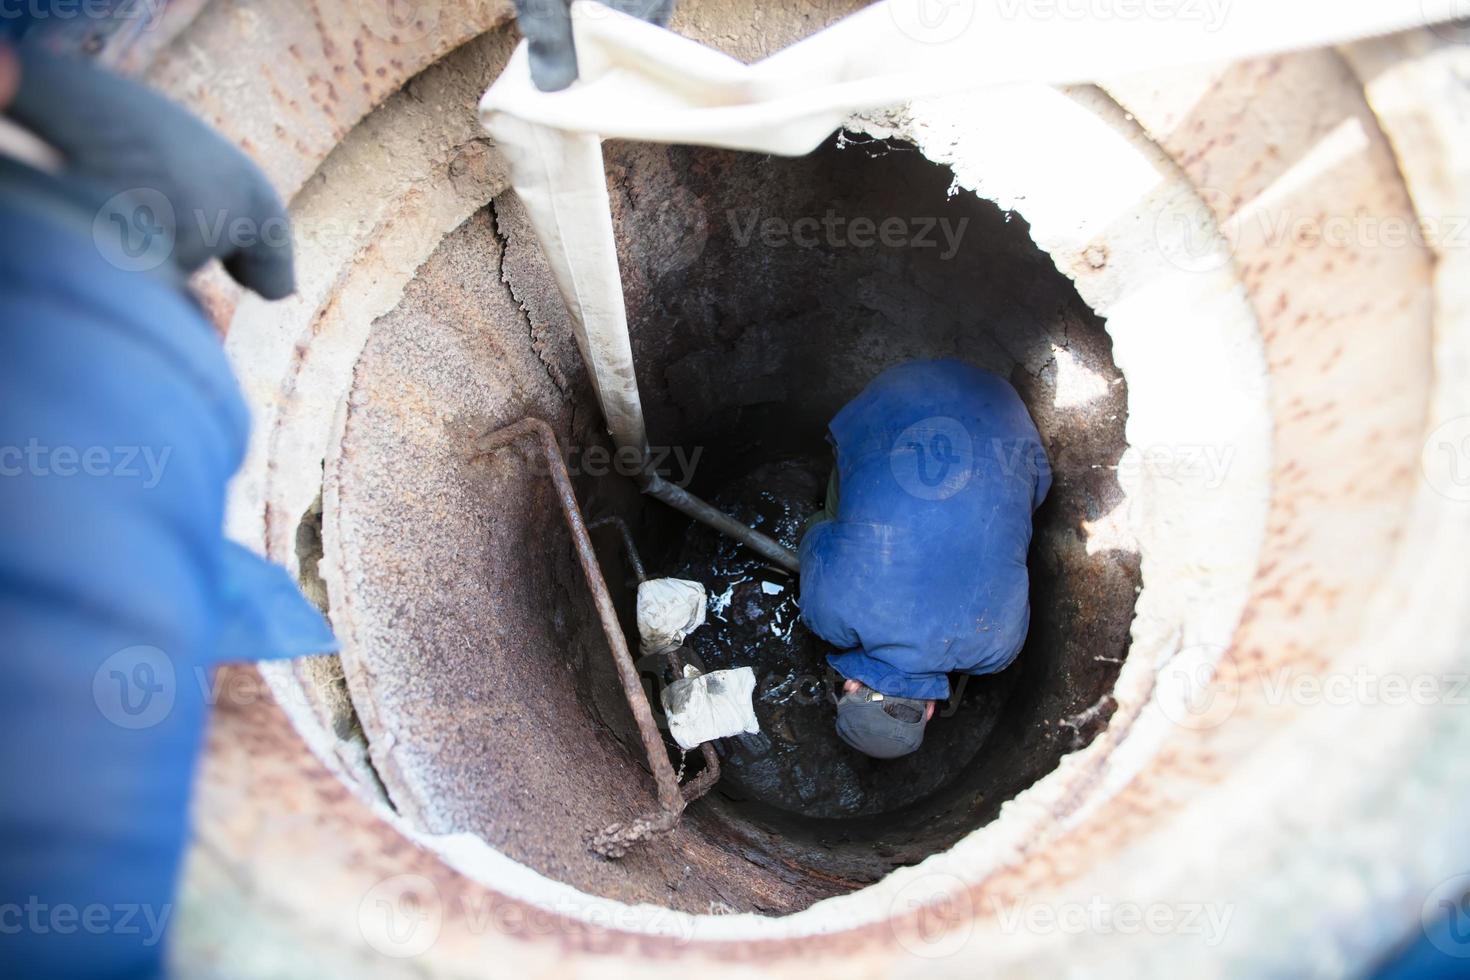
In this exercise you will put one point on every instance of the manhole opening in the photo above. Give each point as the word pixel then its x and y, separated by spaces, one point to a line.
pixel 766 293
pixel 763 294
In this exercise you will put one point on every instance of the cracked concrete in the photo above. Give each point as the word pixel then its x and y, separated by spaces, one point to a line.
pixel 549 341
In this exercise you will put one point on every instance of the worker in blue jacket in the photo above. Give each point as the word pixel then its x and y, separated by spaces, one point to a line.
pixel 120 425
pixel 917 566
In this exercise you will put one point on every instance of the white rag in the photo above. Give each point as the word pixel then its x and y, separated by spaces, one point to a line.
pixel 669 609
pixel 709 706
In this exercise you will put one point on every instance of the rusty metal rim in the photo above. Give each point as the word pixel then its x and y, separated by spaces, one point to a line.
pixel 1076 782
pixel 1259 285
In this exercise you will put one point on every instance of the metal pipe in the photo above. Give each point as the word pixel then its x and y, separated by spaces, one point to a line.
pixel 686 503
pixel 629 549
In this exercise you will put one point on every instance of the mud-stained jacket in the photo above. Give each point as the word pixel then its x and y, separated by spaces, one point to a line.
pixel 922 570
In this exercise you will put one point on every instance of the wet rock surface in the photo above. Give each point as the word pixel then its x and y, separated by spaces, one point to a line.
pixel 797 763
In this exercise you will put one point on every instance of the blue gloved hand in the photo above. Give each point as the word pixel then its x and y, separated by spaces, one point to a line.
pixel 547 25
pixel 164 187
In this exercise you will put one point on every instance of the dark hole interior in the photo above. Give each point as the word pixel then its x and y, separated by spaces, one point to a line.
pixel 764 293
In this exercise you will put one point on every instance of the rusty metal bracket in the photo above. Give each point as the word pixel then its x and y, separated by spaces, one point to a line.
pixel 630 550
pixel 614 841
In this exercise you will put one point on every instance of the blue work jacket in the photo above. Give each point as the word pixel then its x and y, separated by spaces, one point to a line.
pixel 922 570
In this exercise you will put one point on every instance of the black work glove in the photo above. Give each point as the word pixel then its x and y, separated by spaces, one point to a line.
pixel 168 187
pixel 547 25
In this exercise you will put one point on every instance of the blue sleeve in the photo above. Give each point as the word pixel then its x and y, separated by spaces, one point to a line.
pixel 852 597
pixel 120 424
pixel 881 675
